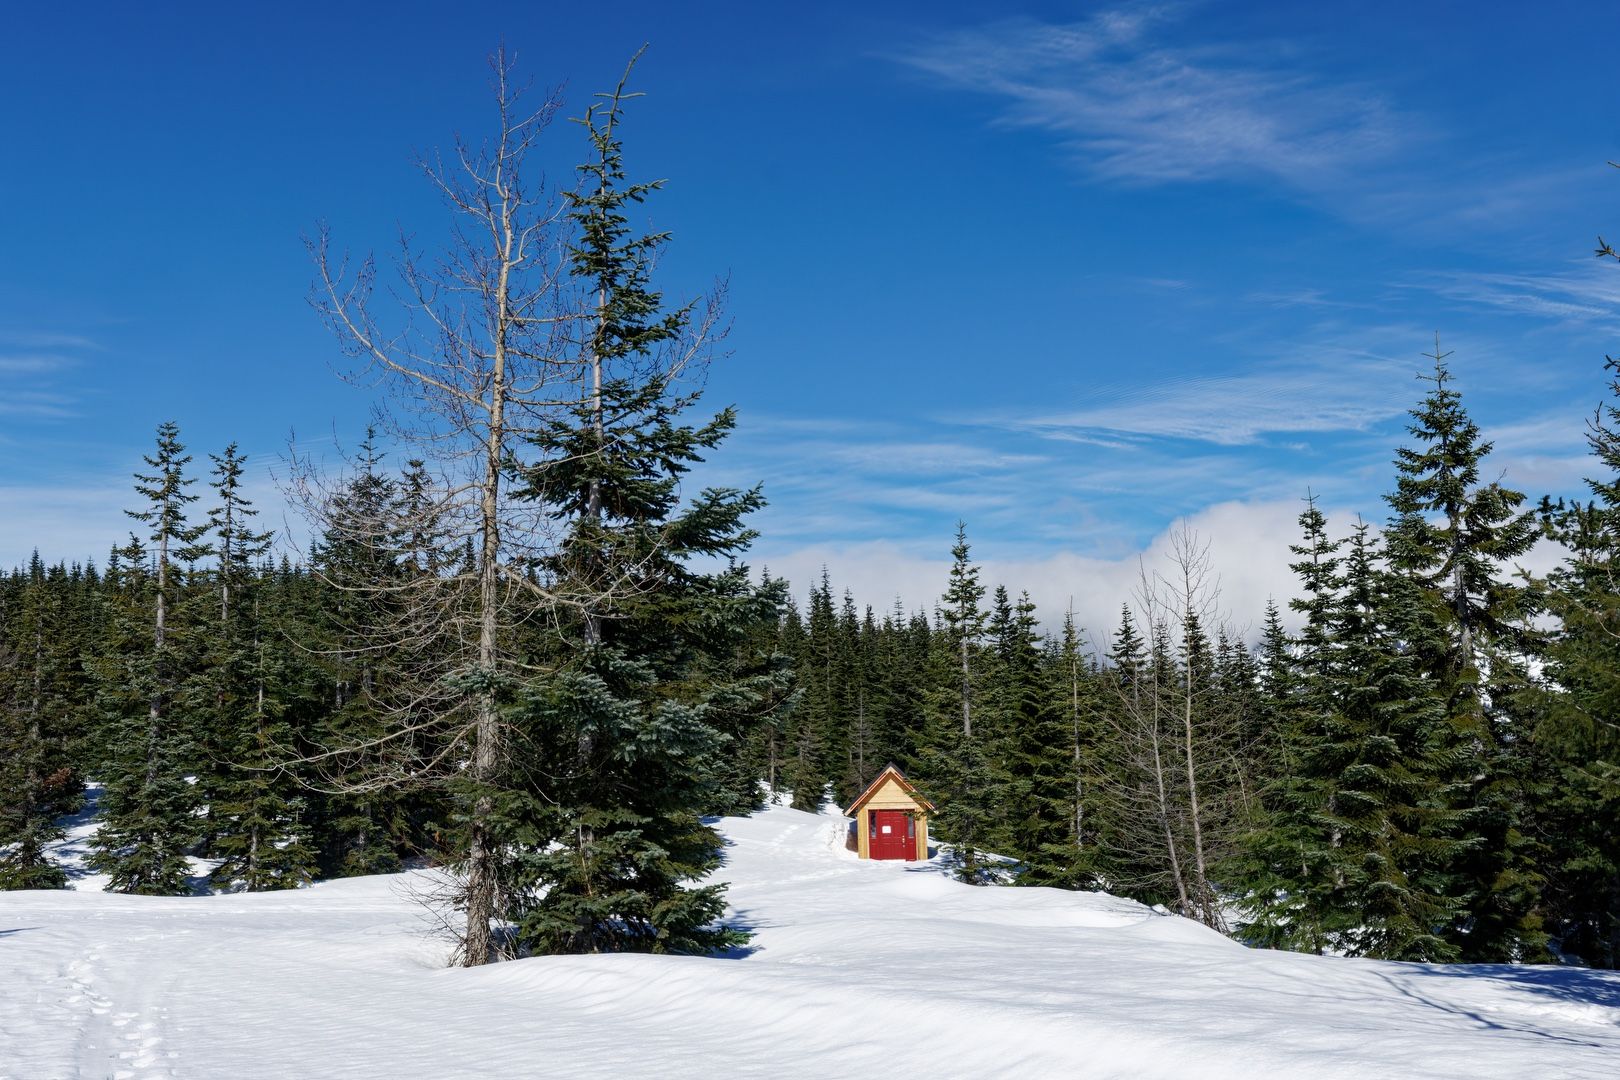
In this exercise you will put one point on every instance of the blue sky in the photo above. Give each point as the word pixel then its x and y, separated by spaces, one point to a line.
pixel 1068 272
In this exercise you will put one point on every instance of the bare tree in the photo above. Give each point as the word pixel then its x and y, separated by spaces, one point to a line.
pixel 474 358
pixel 509 333
pixel 1176 787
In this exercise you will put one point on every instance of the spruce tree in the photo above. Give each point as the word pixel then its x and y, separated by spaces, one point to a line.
pixel 964 623
pixel 1351 854
pixel 1074 688
pixel 38 780
pixel 818 735
pixel 1039 752
pixel 1577 744
pixel 377 805
pixel 957 769
pixel 1451 537
pixel 151 801
pixel 257 812
pixel 617 742
pixel 761 670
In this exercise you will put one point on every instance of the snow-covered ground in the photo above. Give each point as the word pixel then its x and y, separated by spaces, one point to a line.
pixel 856 968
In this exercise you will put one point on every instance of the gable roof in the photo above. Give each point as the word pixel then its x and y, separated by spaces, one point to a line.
pixel 872 789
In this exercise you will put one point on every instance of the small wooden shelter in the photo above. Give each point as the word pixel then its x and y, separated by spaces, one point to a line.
pixel 891 819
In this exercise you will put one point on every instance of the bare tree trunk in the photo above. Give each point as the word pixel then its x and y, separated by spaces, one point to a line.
pixel 1162 790
pixel 482 875
pixel 478 371
pixel 771 766
pixel 1195 818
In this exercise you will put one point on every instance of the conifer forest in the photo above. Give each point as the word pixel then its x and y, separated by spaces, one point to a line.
pixel 515 646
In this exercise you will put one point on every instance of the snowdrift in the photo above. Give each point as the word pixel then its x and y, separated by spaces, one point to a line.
pixel 883 969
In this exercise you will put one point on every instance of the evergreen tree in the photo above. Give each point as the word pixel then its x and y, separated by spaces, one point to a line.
pixel 964 623
pixel 380 549
pixel 618 741
pixel 762 669
pixel 151 803
pixel 1577 744
pixel 1450 537
pixel 818 735
pixel 1039 751
pixel 1355 838
pixel 256 812
pixel 957 769
pixel 38 781
pixel 1074 687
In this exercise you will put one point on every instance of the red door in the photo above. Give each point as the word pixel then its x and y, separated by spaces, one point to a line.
pixel 892 835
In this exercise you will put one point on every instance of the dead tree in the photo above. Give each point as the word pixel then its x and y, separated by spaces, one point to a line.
pixel 474 360
pixel 497 341
pixel 1174 788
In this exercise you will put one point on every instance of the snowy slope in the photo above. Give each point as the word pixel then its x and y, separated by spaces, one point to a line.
pixel 856 967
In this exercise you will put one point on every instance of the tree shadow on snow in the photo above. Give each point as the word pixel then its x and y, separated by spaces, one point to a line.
pixel 1548 985
pixel 748 921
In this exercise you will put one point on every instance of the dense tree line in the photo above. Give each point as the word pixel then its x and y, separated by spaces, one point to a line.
pixel 1427 769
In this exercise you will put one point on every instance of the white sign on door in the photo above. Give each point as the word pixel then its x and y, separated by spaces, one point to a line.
pixel 885 828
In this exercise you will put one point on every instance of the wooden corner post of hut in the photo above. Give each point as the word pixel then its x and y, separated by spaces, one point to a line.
pixel 891 819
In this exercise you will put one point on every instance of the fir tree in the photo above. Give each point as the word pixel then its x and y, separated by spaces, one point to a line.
pixel 957 769
pixel 1355 836
pixel 38 781
pixel 1450 537
pixel 381 542
pixel 964 622
pixel 1577 744
pixel 151 802
pixel 256 811
pixel 618 741
pixel 1040 753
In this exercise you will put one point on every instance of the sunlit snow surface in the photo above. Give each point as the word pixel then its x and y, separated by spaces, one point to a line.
pixel 878 969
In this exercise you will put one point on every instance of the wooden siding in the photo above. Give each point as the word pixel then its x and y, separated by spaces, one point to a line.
pixel 890 795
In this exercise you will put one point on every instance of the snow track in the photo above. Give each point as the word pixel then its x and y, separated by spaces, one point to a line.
pixel 855 967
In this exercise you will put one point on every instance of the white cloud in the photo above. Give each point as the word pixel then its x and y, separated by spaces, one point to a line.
pixel 37 404
pixel 1587 292
pixel 30 339
pixel 1133 107
pixel 31 364
pixel 1248 546
pixel 1141 94
pixel 1341 390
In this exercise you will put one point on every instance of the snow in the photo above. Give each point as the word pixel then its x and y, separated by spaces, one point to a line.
pixel 857 967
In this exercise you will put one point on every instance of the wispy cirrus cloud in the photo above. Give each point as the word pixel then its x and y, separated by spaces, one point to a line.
pixel 1133 106
pixel 1332 382
pixel 34 363
pixel 36 404
pixel 1145 94
pixel 1351 394
pixel 32 339
pixel 1587 292
pixel 31 368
